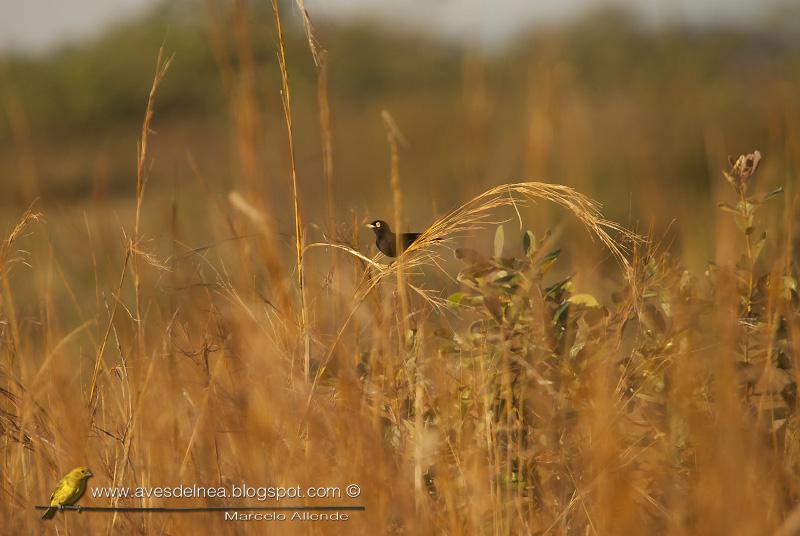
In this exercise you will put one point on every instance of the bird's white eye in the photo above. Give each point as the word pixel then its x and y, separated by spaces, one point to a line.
pixel 377 224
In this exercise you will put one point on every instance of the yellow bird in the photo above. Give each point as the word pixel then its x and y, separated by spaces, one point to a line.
pixel 69 490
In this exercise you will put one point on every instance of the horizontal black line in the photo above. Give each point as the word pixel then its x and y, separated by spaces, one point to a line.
pixel 197 508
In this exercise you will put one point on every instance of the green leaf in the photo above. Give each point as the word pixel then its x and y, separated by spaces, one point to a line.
pixel 499 238
pixel 652 319
pixel 560 312
pixel 529 243
pixel 789 286
pixel 790 282
pixel 686 284
pixel 587 300
pixel 744 222
pixel 548 261
pixel 555 291
pixel 456 298
pixel 411 337
pixel 474 300
pixel 507 278
pixel 728 208
pixel 774 193
pixel 581 337
pixel 758 246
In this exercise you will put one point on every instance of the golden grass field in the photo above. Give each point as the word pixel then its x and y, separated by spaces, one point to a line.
pixel 594 335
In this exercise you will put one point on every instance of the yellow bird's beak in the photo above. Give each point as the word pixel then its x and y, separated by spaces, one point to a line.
pixel 370 226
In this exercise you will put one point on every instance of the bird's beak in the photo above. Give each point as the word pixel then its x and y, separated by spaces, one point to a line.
pixel 370 226
pixel 89 473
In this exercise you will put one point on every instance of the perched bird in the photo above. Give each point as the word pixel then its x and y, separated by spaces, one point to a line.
pixel 69 490
pixel 386 240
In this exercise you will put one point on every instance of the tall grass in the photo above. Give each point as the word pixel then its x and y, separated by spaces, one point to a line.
pixel 496 397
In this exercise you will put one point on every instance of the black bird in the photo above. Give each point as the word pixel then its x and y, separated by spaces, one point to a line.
pixel 386 240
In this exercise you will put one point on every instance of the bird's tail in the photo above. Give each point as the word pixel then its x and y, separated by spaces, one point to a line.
pixel 49 513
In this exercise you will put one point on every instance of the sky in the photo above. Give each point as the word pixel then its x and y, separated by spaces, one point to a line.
pixel 38 25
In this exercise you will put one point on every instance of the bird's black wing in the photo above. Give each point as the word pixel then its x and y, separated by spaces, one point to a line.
pixel 409 238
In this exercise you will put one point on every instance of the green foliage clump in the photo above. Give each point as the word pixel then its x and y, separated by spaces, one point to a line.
pixel 558 385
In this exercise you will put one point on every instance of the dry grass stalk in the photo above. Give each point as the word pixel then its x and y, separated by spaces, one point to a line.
pixel 141 182
pixel 468 218
pixel 477 213
pixel 8 258
pixel 410 364
pixel 286 97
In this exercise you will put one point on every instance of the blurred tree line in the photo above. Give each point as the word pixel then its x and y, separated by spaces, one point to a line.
pixel 600 101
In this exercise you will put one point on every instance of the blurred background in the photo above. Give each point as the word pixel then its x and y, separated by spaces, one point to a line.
pixel 635 104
